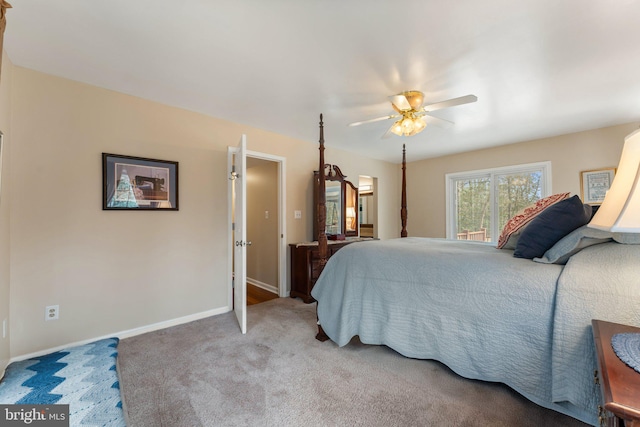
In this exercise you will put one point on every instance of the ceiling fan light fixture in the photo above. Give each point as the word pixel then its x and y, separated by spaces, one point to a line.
pixel 410 113
pixel 397 128
pixel 408 125
pixel 419 124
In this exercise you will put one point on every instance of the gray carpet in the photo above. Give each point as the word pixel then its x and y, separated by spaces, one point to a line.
pixel 205 373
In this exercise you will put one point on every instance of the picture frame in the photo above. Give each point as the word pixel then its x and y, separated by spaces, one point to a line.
pixel 594 184
pixel 138 183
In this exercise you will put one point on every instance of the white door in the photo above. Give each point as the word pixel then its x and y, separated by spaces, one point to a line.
pixel 240 233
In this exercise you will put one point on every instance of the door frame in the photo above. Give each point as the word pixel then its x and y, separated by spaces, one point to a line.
pixel 282 223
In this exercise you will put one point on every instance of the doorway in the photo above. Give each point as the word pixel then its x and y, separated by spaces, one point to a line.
pixel 262 229
pixel 368 206
pixel 239 155
pixel 276 215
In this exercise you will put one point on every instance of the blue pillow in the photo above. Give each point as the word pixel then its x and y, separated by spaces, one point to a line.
pixel 550 226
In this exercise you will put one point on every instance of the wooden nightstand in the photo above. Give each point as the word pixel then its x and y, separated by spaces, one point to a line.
pixel 620 384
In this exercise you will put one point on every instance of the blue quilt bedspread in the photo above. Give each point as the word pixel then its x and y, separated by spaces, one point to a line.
pixel 479 310
pixel 84 377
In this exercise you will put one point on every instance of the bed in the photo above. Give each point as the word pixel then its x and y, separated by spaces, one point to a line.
pixel 484 313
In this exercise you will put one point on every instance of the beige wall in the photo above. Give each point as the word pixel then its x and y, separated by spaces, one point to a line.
pixel 569 154
pixel 5 127
pixel 262 196
pixel 117 271
pixel 113 271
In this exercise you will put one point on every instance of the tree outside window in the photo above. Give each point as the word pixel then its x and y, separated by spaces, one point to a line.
pixel 481 202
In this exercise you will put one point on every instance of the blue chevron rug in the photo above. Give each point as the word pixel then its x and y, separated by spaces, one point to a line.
pixel 84 377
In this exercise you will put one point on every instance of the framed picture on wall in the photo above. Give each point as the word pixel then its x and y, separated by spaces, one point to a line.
pixel 137 183
pixel 594 184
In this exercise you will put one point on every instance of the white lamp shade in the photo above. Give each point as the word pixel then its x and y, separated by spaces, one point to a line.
pixel 620 210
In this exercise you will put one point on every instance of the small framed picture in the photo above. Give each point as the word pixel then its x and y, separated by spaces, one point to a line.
pixel 594 184
pixel 137 183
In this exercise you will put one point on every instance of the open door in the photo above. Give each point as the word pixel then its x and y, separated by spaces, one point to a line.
pixel 239 213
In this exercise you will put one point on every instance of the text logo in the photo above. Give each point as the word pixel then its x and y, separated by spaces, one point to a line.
pixel 34 415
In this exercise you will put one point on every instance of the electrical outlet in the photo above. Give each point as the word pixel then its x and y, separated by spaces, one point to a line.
pixel 52 312
pixel 297 214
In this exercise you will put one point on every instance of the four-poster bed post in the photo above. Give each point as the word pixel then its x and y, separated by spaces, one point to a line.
pixel 403 206
pixel 322 208
pixel 323 248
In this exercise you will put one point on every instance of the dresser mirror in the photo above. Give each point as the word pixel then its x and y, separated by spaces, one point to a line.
pixel 333 191
pixel 341 204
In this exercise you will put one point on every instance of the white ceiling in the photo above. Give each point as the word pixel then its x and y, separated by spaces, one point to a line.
pixel 538 67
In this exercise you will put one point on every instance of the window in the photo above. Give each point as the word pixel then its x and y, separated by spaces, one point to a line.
pixel 479 203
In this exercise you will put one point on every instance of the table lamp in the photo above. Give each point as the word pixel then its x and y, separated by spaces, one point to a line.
pixel 620 213
pixel 620 209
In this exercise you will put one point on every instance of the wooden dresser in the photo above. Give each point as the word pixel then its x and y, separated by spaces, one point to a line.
pixel 304 265
pixel 620 384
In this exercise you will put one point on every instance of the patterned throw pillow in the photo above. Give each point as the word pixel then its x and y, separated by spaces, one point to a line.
pixel 522 218
pixel 553 223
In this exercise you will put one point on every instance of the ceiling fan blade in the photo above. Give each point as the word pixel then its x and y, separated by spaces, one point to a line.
pixel 387 134
pixel 450 103
pixel 400 102
pixel 377 119
pixel 436 121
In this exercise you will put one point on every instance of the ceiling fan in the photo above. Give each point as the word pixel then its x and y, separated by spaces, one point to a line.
pixel 412 116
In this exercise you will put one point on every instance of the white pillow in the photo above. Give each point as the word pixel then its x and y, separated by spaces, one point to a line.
pixel 573 243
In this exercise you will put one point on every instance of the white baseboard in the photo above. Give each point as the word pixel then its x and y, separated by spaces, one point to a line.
pixel 129 333
pixel 263 285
